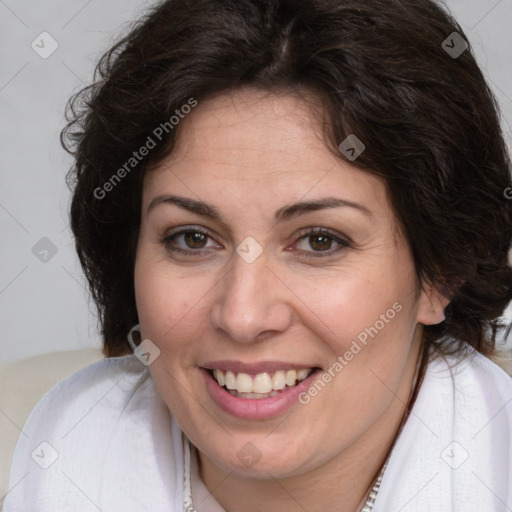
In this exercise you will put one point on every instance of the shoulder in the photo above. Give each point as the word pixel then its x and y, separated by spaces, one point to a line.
pixel 475 389
pixel 104 384
pixel 102 421
pixel 455 450
pixel 471 372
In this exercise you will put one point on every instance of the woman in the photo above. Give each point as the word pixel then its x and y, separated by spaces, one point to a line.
pixel 294 213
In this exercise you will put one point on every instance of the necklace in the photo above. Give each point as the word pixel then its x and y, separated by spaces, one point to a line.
pixel 187 487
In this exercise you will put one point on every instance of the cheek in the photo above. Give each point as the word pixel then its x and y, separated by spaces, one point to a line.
pixel 168 302
pixel 360 307
pixel 368 326
pixel 368 321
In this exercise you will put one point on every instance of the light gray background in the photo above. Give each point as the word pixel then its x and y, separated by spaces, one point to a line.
pixel 44 307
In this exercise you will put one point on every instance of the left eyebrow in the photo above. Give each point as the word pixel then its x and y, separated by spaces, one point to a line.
pixel 293 210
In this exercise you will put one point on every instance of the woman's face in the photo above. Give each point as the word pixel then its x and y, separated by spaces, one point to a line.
pixel 261 253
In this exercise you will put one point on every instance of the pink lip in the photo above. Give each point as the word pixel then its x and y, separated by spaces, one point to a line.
pixel 259 408
pixel 253 368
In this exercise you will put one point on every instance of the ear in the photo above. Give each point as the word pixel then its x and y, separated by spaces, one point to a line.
pixel 431 305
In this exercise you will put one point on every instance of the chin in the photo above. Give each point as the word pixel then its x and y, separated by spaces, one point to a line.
pixel 256 457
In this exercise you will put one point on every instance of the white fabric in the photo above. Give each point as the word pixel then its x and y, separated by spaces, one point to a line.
pixel 119 449
pixel 469 404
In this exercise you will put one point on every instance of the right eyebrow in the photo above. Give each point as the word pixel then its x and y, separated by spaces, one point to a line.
pixel 198 207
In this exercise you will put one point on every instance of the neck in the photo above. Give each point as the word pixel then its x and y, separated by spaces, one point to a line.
pixel 342 484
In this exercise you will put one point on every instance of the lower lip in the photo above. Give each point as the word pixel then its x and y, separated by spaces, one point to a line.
pixel 256 408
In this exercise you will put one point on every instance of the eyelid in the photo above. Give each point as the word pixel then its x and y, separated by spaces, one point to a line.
pixel 182 230
pixel 343 242
pixel 313 230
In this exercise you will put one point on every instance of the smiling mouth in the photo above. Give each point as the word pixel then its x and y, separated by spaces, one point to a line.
pixel 261 385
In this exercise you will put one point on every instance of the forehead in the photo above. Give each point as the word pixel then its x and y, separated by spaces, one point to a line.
pixel 254 146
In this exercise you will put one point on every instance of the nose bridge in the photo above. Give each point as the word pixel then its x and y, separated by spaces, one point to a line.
pixel 250 302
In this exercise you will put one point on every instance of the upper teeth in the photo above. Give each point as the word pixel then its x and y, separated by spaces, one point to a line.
pixel 262 382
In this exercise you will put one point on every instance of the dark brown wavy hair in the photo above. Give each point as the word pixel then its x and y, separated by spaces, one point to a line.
pixel 429 122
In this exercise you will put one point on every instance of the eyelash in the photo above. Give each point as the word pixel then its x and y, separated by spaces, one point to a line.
pixel 188 252
pixel 343 243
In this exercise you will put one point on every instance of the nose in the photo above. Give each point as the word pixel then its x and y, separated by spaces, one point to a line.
pixel 251 304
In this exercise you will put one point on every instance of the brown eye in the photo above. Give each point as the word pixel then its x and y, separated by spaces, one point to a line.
pixel 195 239
pixel 190 242
pixel 320 242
